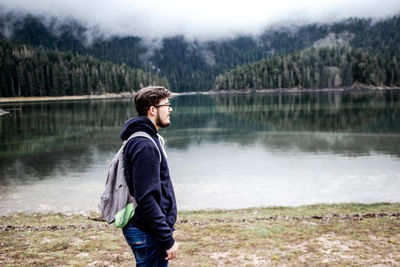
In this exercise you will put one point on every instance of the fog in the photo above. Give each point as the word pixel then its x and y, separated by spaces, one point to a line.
pixel 204 20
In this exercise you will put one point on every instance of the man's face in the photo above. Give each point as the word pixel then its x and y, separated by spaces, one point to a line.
pixel 163 113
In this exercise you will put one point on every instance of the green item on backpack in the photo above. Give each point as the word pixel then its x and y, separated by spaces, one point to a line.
pixel 124 216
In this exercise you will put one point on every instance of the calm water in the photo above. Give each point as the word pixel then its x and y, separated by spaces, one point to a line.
pixel 225 151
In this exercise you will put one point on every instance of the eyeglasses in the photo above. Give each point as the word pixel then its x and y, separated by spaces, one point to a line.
pixel 163 105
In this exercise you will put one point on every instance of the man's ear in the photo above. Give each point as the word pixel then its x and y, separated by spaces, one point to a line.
pixel 152 111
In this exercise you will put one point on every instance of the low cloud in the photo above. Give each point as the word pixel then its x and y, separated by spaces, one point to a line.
pixel 204 20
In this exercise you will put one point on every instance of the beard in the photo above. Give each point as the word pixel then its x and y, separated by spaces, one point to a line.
pixel 160 123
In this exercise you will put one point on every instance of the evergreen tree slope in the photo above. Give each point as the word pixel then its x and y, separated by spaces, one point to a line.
pixel 314 68
pixel 27 71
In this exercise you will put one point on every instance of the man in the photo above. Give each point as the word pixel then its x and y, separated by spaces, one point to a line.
pixel 150 231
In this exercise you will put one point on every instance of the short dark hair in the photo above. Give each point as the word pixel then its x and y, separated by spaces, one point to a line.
pixel 149 96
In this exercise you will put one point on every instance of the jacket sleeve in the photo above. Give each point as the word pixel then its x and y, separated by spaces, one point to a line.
pixel 145 173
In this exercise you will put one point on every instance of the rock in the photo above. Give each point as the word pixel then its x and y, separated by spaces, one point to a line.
pixel 3 112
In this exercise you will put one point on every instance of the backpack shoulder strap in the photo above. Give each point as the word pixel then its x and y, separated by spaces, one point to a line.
pixel 143 134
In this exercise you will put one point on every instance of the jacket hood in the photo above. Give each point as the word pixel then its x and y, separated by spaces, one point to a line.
pixel 138 124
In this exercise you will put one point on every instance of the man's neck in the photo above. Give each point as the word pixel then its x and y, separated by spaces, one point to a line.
pixel 153 120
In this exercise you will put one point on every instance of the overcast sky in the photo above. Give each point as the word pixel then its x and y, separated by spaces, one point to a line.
pixel 205 19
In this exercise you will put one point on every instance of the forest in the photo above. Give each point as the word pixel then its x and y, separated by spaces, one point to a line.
pixel 193 65
pixel 28 71
pixel 314 68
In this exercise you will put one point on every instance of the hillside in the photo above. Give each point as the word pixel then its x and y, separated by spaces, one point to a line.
pixel 327 67
pixel 192 65
pixel 28 71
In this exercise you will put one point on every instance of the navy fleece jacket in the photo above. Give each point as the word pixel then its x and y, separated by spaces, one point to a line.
pixel 149 182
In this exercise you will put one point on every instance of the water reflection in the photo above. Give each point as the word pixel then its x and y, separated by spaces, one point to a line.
pixel 234 150
pixel 38 138
pixel 372 111
pixel 331 122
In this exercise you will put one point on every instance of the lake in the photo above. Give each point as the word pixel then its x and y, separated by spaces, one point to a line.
pixel 224 151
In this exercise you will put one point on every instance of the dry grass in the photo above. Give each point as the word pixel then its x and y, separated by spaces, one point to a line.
pixel 319 235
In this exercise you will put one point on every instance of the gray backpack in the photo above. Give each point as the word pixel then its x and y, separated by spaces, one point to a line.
pixel 116 203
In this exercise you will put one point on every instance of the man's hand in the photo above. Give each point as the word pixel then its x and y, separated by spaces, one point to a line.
pixel 172 252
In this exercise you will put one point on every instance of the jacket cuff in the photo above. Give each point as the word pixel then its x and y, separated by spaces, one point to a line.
pixel 168 245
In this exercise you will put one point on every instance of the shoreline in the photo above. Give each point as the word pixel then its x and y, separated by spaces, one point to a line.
pixel 63 98
pixel 301 90
pixel 292 210
pixel 4 100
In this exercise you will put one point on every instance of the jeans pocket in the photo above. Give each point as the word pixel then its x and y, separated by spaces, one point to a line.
pixel 137 241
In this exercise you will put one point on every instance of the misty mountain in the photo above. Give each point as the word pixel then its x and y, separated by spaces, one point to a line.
pixel 191 65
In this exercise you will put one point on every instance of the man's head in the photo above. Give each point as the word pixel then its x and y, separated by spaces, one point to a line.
pixel 153 102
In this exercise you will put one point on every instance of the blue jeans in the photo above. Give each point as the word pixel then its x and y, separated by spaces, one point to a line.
pixel 144 246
